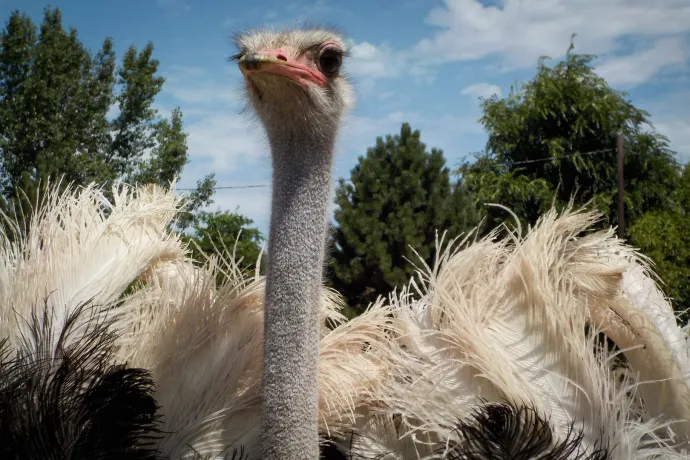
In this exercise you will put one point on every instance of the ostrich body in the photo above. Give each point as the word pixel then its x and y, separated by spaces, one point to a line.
pixel 476 368
pixel 296 89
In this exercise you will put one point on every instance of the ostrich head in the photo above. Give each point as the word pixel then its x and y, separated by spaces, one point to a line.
pixel 295 80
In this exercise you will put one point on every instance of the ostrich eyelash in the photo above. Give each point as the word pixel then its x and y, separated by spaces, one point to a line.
pixel 236 57
pixel 344 53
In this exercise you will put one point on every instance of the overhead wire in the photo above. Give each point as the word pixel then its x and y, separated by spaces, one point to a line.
pixel 536 160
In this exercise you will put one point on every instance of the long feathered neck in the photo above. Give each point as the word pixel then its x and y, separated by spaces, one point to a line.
pixel 296 245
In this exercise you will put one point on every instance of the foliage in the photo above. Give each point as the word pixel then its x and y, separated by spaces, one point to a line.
pixel 560 116
pixel 493 183
pixel 663 236
pixel 228 233
pixel 399 196
pixel 68 114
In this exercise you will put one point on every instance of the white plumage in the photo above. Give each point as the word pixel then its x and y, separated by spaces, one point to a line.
pixel 495 322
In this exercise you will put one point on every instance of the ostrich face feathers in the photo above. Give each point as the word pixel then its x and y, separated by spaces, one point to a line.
pixel 295 75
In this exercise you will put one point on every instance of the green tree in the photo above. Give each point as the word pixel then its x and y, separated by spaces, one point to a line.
pixel 55 100
pixel 663 236
pixel 399 196
pixel 563 114
pixel 229 233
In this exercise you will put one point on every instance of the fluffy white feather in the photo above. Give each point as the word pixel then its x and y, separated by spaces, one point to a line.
pixel 491 321
pixel 80 248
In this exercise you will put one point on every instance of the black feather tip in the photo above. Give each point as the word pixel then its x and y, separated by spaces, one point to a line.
pixel 506 431
pixel 70 401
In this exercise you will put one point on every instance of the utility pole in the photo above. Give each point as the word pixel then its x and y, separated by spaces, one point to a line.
pixel 621 189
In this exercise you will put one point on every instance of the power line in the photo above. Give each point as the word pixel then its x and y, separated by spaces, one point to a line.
pixel 225 187
pixel 593 152
pixel 537 160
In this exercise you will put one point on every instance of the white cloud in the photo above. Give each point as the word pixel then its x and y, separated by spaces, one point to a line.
pixel 254 203
pixel 195 85
pixel 485 90
pixel 519 32
pixel 224 141
pixel 370 61
pixel 523 30
pixel 641 66
pixel 220 138
pixel 438 131
pixel 223 144
pixel 360 132
pixel 422 74
pixel 235 150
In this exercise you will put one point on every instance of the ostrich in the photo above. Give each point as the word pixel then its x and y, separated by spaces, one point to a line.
pixel 116 345
pixel 297 89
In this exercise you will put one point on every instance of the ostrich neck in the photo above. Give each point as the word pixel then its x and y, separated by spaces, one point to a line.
pixel 296 245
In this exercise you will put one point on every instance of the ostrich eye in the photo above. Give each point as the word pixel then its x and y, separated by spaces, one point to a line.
pixel 330 61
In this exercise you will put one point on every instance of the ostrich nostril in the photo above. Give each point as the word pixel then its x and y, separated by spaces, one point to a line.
pixel 281 57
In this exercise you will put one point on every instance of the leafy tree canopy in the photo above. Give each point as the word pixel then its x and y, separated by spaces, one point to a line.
pixel 68 113
pixel 400 194
pixel 663 236
pixel 570 117
pixel 229 233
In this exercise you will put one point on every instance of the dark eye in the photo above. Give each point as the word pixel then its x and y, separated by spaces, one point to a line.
pixel 330 61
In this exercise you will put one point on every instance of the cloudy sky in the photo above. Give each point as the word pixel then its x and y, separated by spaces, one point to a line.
pixel 421 61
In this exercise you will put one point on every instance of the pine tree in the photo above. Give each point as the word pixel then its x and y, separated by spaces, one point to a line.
pixel 400 195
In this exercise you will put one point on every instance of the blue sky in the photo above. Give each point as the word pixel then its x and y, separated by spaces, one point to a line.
pixel 421 61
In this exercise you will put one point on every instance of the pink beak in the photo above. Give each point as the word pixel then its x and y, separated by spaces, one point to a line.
pixel 279 63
